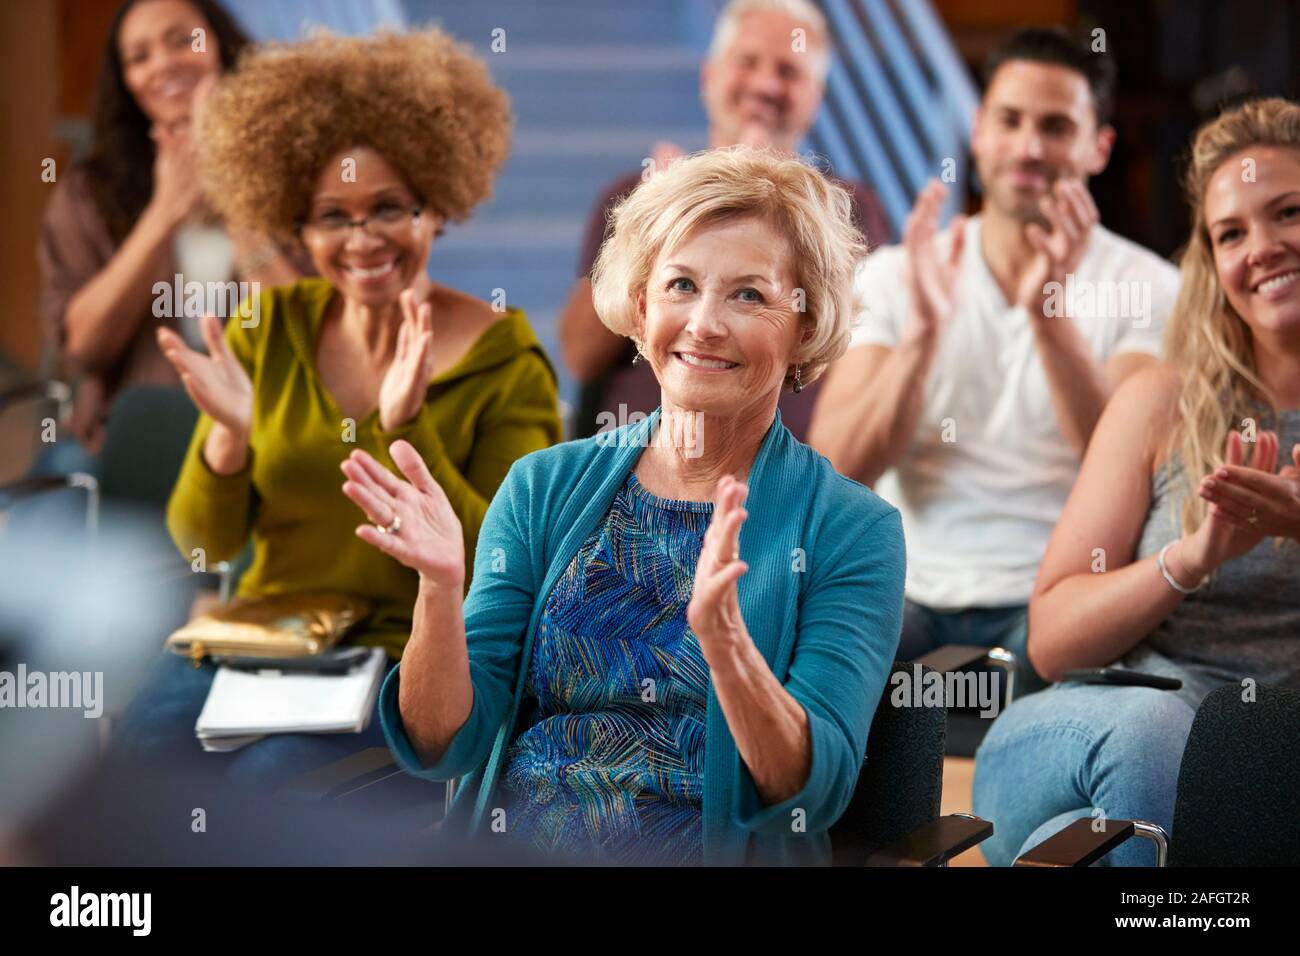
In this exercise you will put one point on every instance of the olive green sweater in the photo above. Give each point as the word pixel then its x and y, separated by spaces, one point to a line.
pixel 493 406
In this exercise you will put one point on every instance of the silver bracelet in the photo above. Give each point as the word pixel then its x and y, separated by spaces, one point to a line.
pixel 1164 571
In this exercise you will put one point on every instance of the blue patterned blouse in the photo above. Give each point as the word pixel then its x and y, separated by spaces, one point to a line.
pixel 611 765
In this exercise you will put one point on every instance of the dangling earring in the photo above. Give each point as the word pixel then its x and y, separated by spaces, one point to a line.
pixel 636 359
pixel 798 383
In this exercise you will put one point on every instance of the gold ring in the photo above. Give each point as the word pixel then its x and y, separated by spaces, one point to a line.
pixel 392 527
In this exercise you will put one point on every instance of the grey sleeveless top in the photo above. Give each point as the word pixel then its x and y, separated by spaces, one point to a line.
pixel 1246 621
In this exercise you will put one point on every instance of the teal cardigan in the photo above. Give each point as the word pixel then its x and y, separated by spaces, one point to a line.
pixel 823 602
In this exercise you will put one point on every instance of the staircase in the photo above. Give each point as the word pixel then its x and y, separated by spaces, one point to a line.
pixel 593 84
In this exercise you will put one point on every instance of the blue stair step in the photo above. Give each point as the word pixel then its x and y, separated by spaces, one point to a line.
pixel 595 22
pixel 593 85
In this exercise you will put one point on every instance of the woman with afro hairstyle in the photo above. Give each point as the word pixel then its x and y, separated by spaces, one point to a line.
pixel 360 149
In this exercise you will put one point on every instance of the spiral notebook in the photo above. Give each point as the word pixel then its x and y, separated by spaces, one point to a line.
pixel 244 706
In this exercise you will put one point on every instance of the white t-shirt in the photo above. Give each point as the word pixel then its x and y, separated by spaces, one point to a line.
pixel 988 471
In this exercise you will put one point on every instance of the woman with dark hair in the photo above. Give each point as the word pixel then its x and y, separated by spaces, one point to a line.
pixel 131 214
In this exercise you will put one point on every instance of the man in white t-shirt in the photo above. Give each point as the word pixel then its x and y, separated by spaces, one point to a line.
pixel 987 351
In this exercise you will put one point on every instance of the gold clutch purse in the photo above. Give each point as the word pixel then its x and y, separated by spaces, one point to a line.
pixel 279 625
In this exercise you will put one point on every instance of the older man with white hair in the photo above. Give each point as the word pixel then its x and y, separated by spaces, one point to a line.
pixel 762 85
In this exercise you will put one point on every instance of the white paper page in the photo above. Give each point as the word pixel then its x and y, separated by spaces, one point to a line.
pixel 251 702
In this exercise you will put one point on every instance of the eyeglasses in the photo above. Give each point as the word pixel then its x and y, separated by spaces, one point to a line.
pixel 388 222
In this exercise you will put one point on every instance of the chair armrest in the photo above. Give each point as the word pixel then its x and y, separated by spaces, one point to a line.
pixel 54 391
pixel 341 777
pixel 934 843
pixel 353 774
pixel 1082 843
pixel 31 487
pixel 953 657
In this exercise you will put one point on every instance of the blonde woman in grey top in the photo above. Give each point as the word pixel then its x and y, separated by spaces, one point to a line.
pixel 1178 549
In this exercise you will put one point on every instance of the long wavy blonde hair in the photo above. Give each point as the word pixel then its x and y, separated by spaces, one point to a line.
pixel 1206 340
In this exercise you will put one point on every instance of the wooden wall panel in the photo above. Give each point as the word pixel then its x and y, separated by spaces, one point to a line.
pixel 49 57
pixel 28 85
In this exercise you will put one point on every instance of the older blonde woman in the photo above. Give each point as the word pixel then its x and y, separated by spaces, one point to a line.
pixel 676 636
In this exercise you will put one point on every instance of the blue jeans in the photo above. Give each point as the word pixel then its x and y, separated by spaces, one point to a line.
pixel 158 730
pixel 62 457
pixel 1058 755
pixel 926 629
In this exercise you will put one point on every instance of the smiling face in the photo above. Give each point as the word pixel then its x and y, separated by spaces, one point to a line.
pixel 371 265
pixel 160 67
pixel 1036 125
pixel 719 325
pixel 1254 230
pixel 759 91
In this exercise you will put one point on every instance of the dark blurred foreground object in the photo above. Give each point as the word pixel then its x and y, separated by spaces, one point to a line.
pixel 99 608
pixel 1237 787
pixel 87 615
pixel 115 816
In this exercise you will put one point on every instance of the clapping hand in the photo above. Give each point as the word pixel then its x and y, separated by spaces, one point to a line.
pixel 931 276
pixel 176 191
pixel 402 392
pixel 1071 213
pixel 410 520
pixel 1226 532
pixel 217 381
pixel 1252 497
pixel 714 610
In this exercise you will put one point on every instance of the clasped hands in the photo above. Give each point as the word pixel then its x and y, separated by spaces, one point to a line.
pixel 1250 496
pixel 1247 503
pixel 1070 214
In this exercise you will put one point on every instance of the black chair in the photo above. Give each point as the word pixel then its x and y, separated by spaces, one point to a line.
pixel 1236 800
pixel 147 436
pixel 966 726
pixel 892 819
pixel 148 433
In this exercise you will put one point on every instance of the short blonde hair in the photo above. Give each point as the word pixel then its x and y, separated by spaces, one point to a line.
pixel 719 185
